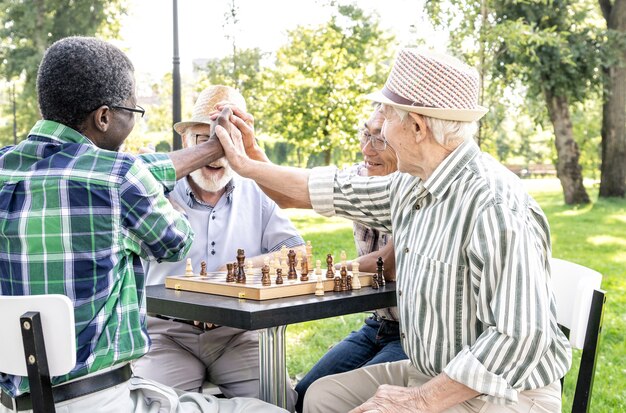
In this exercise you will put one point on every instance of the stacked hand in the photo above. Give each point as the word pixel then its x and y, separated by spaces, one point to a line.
pixel 393 399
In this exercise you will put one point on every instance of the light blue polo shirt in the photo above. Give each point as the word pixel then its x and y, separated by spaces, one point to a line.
pixel 244 217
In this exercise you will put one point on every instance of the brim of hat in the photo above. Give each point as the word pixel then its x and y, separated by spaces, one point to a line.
pixel 460 115
pixel 181 126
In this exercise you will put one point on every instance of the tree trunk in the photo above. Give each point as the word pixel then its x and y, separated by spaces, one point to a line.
pixel 567 167
pixel 613 169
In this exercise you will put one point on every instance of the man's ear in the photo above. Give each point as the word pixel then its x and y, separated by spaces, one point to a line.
pixel 100 118
pixel 419 127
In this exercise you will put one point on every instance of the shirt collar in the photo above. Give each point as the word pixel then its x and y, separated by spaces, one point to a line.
pixel 450 168
pixel 58 132
pixel 191 199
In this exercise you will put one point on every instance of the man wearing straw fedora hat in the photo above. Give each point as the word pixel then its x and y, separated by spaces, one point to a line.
pixel 477 315
pixel 226 212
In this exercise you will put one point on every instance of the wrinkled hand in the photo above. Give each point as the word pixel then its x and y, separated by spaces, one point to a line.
pixel 245 123
pixel 234 150
pixel 393 399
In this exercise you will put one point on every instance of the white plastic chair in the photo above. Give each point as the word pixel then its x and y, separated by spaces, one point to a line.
pixel 579 308
pixel 39 341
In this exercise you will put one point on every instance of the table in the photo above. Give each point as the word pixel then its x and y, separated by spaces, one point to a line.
pixel 270 317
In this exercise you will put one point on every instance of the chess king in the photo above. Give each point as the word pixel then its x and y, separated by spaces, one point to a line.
pixel 227 213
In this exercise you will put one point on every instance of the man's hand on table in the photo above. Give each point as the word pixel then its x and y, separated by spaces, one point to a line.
pixel 394 399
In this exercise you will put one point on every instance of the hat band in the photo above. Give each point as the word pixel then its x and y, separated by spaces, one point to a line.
pixel 401 100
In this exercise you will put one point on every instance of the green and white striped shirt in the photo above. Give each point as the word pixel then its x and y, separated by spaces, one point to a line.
pixel 472 250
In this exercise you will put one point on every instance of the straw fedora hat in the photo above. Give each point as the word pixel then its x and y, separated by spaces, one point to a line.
pixel 205 104
pixel 432 84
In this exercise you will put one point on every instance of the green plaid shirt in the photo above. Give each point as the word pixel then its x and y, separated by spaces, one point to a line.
pixel 75 220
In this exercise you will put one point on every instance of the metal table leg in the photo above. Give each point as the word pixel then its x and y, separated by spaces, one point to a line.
pixel 273 366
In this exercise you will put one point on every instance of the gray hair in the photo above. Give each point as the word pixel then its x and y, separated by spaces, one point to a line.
pixel 445 132
pixel 79 74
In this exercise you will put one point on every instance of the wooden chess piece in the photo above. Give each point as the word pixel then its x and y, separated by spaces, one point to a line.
pixel 272 266
pixel 203 272
pixel 343 257
pixel 309 256
pixel 375 281
pixel 279 276
pixel 356 282
pixel 349 282
pixel 308 248
pixel 229 273
pixel 265 275
pixel 189 268
pixel 318 267
pixel 379 270
pixel 283 254
pixel 319 286
pixel 292 274
pixel 337 287
pixel 344 278
pixel 241 271
pixel 330 272
pixel 304 270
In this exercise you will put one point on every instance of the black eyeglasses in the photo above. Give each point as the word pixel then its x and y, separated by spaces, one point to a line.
pixel 377 142
pixel 201 138
pixel 136 109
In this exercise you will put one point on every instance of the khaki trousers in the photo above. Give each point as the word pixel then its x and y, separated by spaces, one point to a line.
pixel 343 392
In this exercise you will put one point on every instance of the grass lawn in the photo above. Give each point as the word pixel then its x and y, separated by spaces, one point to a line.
pixel 593 236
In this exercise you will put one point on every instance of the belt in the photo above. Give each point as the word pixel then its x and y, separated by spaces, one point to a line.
pixel 72 390
pixel 197 324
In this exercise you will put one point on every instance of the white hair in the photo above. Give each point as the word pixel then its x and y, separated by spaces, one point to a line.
pixel 447 132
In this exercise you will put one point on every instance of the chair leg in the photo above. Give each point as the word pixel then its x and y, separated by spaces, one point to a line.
pixel 37 363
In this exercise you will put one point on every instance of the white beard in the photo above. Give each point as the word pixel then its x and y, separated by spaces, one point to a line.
pixel 211 183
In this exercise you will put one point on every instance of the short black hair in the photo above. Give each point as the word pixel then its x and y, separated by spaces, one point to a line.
pixel 79 74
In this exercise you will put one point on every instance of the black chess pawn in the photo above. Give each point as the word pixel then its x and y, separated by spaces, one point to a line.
pixel 279 276
pixel 375 281
pixel 330 273
pixel 229 273
pixel 380 267
pixel 349 282
pixel 241 271
pixel 337 286
pixel 203 272
pixel 304 270
pixel 291 260
pixel 265 275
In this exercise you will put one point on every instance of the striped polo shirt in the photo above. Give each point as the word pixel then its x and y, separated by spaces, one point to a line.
pixel 472 250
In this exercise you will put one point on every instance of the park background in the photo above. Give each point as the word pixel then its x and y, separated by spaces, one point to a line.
pixel 553 75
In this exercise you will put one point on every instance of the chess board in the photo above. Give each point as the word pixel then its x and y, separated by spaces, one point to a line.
pixel 215 283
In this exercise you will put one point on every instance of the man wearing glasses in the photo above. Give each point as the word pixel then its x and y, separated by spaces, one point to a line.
pixel 77 215
pixel 226 212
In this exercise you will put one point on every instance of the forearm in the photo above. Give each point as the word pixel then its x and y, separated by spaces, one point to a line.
pixel 367 262
pixel 441 393
pixel 188 160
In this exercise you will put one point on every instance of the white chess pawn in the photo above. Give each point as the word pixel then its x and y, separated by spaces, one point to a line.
pixel 319 286
pixel 189 268
pixel 356 283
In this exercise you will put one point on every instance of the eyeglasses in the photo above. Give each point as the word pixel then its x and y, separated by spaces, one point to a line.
pixel 377 142
pixel 201 138
pixel 136 109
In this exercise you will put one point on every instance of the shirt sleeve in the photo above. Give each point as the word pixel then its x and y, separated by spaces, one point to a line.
pixel 161 167
pixel 360 199
pixel 156 230
pixel 508 267
pixel 278 230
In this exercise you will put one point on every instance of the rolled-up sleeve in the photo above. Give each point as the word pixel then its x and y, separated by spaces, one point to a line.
pixel 510 278
pixel 161 167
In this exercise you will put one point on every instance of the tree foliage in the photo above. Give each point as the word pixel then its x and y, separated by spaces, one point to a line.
pixel 30 26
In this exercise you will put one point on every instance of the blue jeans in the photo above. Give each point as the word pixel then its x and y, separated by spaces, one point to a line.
pixel 376 342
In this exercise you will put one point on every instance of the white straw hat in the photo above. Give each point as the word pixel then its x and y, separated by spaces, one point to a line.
pixel 205 104
pixel 432 84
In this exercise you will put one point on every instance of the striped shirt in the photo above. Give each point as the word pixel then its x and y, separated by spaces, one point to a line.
pixel 75 221
pixel 472 250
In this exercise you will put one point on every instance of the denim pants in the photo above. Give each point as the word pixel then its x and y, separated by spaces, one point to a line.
pixel 378 341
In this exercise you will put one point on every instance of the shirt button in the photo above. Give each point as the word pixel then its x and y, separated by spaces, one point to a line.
pixel 403 335
pixel 213 243
pixel 417 206
pixel 213 252
pixel 213 217
pixel 399 292
pixel 406 249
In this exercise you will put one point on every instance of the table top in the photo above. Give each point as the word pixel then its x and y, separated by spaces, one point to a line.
pixel 254 315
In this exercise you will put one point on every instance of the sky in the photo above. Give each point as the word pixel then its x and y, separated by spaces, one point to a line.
pixel 147 34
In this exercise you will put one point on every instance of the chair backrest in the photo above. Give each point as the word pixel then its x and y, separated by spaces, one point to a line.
pixel 573 287
pixel 57 320
pixel 580 308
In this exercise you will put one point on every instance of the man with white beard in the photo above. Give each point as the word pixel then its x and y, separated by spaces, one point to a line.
pixel 226 212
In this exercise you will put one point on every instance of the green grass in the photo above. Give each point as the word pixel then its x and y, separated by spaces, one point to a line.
pixel 592 235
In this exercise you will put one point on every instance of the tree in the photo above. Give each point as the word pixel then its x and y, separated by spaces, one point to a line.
pixel 319 81
pixel 613 169
pixel 29 27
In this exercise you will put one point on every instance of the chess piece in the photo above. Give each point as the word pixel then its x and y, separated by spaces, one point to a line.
pixel 249 266
pixel 349 282
pixel 298 257
pixel 272 266
pixel 337 287
pixel 241 272
pixel 318 267
pixel 309 256
pixel 189 268
pixel 344 278
pixel 203 272
pixel 356 283
pixel 279 276
pixel 283 254
pixel 308 248
pixel 375 281
pixel 343 258
pixel 319 286
pixel 304 270
pixel 292 274
pixel 229 273
pixel 330 272
pixel 265 275
pixel 379 270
